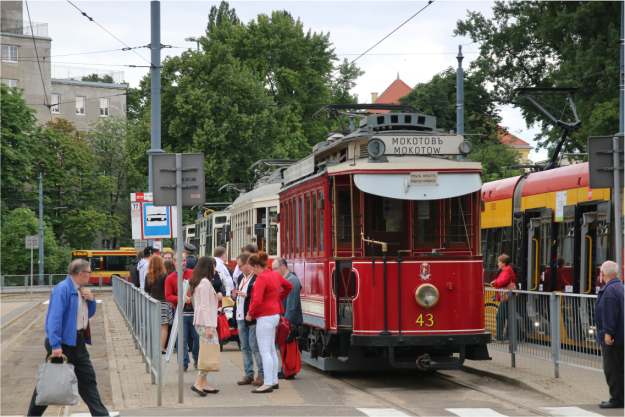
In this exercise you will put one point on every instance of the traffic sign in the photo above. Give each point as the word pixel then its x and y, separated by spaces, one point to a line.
pixel 601 163
pixel 32 242
pixel 150 221
pixel 164 179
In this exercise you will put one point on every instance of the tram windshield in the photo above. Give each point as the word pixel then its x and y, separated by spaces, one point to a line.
pixel 408 227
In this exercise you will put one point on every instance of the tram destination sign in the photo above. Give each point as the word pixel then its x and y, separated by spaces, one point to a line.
pixel 422 144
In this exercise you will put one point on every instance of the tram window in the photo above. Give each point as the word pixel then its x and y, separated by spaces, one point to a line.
pixel 343 216
pixel 272 244
pixel 321 235
pixel 459 222
pixel 307 222
pixel 426 224
pixel 314 223
pixel 386 214
pixel 303 234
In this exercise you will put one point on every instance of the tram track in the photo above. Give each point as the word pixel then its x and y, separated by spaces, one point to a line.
pixel 449 379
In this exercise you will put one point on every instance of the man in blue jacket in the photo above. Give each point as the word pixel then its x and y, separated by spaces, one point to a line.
pixel 67 330
pixel 609 314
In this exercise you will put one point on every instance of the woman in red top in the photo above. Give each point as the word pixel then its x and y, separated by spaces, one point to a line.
pixel 505 279
pixel 270 290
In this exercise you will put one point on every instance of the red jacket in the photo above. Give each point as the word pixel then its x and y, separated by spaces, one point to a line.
pixel 270 290
pixel 505 277
pixel 171 285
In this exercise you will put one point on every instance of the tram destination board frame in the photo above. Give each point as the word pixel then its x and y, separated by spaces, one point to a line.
pixel 421 144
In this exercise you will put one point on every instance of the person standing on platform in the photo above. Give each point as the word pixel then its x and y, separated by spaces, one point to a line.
pixel 609 313
pixel 292 304
pixel 143 265
pixel 155 286
pixel 67 330
pixel 247 330
pixel 270 290
pixel 221 257
pixel 133 269
pixel 506 278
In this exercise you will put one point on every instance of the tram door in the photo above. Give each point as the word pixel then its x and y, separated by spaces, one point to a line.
pixel 344 282
pixel 539 245
pixel 594 237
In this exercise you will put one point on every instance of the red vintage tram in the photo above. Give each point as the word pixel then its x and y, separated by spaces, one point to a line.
pixel 382 227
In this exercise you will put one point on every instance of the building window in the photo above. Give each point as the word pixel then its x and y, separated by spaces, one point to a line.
pixel 9 53
pixel 80 105
pixel 9 82
pixel 104 107
pixel 55 103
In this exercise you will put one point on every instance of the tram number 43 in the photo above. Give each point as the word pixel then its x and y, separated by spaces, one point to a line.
pixel 425 320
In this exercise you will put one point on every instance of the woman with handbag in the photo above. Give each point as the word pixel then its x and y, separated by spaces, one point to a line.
pixel 270 290
pixel 506 278
pixel 205 303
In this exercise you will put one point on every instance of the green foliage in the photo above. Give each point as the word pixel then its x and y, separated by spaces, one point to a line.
pixel 250 93
pixel 105 78
pixel 16 225
pixel 553 44
pixel 438 98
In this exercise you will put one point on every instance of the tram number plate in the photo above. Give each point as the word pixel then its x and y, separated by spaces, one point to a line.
pixel 425 320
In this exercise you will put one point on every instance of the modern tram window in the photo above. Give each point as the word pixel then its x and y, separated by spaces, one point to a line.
pixel 117 263
pixel 426 224
pixel 459 222
pixel 343 216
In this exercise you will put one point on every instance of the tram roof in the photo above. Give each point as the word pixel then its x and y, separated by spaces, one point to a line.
pixel 404 164
pixel 261 193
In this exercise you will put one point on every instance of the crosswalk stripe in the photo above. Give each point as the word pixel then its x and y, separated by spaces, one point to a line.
pixel 475 412
pixel 382 412
pixel 569 412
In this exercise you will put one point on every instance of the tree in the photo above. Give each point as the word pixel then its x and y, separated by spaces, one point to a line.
pixel 552 44
pixel 100 78
pixel 253 88
pixel 19 134
pixel 438 98
pixel 16 225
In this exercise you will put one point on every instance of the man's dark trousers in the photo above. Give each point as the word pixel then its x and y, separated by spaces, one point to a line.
pixel 87 386
pixel 613 370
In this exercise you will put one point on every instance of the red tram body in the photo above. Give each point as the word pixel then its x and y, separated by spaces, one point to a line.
pixel 382 227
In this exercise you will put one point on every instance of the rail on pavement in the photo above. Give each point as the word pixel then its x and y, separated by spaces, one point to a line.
pixel 556 327
pixel 143 317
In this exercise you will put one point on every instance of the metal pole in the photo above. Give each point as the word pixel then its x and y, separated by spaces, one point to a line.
pixel 554 324
pixel 31 270
pixel 622 77
pixel 155 74
pixel 41 231
pixel 460 94
pixel 179 267
pixel 618 211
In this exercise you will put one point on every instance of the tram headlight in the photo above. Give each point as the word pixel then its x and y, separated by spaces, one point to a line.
pixel 427 295
pixel 376 148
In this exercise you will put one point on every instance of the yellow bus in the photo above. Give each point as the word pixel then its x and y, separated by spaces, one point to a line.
pixel 107 262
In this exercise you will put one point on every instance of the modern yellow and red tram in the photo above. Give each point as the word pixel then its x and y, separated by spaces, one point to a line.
pixel 554 226
pixel 382 228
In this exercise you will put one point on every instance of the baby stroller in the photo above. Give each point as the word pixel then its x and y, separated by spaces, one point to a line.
pixel 227 328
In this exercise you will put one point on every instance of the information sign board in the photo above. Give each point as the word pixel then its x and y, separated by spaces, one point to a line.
pixel 150 221
pixel 32 242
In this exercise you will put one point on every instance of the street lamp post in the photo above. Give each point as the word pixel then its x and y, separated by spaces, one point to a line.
pixel 194 39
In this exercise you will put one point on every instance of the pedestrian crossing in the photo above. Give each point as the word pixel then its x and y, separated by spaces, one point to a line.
pixel 484 412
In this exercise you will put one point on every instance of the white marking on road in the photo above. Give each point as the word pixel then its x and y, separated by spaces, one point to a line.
pixel 475 412
pixel 382 412
pixel 569 411
pixel 45 303
pixel 98 301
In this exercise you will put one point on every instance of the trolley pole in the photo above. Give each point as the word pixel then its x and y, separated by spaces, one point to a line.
pixel 460 94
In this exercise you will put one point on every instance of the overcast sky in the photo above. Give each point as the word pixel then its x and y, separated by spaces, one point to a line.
pixel 417 51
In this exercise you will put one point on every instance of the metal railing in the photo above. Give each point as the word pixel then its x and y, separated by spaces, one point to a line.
pixel 143 317
pixel 556 327
pixel 30 283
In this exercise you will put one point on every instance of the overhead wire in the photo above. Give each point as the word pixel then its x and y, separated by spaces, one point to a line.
pixel 101 51
pixel 43 83
pixel 91 19
pixel 393 31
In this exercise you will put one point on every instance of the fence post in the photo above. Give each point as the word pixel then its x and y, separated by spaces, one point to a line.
pixel 158 358
pixel 512 328
pixel 554 328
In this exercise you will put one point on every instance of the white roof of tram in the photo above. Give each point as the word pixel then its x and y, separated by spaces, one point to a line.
pixel 266 193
